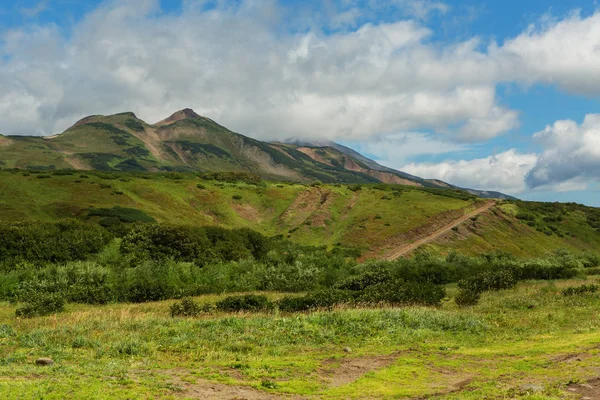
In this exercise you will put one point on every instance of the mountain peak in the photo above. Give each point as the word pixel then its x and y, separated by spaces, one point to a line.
pixel 186 113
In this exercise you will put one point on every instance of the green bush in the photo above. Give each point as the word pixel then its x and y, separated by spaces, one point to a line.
pixel 249 302
pixel 187 307
pixel 236 197
pixel 41 304
pixel 232 177
pixel 51 242
pixel 399 292
pixel 470 289
pixel 467 298
pixel 583 289
pixel 326 298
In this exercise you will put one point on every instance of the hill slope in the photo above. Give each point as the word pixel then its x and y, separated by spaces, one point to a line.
pixel 186 141
pixel 375 219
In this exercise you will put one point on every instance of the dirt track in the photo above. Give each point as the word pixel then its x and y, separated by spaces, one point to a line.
pixel 400 251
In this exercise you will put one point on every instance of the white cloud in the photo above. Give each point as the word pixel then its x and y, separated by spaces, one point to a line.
pixel 571 153
pixel 504 172
pixel 235 65
pixel 35 10
pixel 230 64
pixel 562 52
pixel 420 8
pixel 395 150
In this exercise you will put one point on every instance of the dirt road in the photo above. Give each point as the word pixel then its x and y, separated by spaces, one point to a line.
pixel 400 251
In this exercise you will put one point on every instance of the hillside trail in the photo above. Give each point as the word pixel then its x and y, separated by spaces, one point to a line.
pixel 400 251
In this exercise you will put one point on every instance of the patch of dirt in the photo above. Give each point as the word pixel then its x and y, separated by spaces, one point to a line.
pixel 340 372
pixel 246 211
pixel 4 141
pixel 151 140
pixel 279 149
pixel 314 155
pixel 305 204
pixel 588 390
pixel 186 113
pixel 210 390
pixel 77 163
pixel 382 176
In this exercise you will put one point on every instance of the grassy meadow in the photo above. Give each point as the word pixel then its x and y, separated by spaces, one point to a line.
pixel 373 219
pixel 528 342
pixel 187 286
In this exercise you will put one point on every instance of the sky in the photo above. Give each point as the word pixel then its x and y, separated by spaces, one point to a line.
pixel 495 95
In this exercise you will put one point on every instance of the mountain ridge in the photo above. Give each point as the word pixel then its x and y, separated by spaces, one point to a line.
pixel 188 141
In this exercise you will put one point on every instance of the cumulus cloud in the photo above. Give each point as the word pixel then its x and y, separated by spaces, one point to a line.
pixel 571 153
pixel 504 172
pixel 230 63
pixel 562 52
pixel 395 150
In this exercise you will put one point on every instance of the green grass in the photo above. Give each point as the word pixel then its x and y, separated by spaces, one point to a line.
pixel 330 215
pixel 528 335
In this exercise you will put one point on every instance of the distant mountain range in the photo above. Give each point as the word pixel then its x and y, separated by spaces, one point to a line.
pixel 186 141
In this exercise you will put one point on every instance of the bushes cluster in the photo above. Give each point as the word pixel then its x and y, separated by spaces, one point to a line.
pixel 583 289
pixel 52 242
pixel 41 304
pixel 115 215
pixel 187 307
pixel 470 289
pixel 232 177
pixel 199 245
pixel 249 302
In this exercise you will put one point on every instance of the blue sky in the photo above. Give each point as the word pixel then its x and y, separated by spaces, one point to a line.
pixel 484 94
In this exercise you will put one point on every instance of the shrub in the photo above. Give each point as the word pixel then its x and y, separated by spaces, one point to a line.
pixel 321 299
pixel 488 280
pixel 365 280
pixel 201 186
pixel 467 298
pixel 187 307
pixel 249 302
pixel 119 214
pixel 399 292
pixel 471 288
pixel 51 242
pixel 41 304
pixel 583 289
pixel 159 242
pixel 355 188
pixel 236 197
pixel 232 177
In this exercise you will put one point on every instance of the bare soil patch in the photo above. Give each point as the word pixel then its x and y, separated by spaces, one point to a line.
pixel 340 372
pixel 588 390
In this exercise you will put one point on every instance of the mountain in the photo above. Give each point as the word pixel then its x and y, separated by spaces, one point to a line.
pixel 187 141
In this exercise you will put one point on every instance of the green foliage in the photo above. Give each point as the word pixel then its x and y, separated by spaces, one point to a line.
pixel 116 214
pixel 236 197
pixel 187 307
pixel 321 299
pixel 232 177
pixel 249 302
pixel 583 289
pixel 41 304
pixel 472 287
pixel 400 292
pixel 51 242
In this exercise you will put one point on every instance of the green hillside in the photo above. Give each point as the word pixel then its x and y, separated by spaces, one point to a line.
pixel 187 141
pixel 373 218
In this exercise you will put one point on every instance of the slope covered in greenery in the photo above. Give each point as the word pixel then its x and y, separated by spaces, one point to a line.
pixel 187 141
pixel 372 219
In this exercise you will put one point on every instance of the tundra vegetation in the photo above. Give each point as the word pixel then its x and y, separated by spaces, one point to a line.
pixel 129 305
